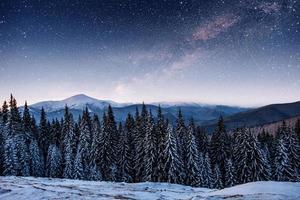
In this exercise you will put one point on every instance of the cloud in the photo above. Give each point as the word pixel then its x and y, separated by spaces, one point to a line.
pixel 214 27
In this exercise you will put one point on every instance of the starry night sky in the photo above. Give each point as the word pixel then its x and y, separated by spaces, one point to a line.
pixel 244 52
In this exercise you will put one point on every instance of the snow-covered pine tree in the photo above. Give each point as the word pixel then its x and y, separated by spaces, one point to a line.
pixel 44 135
pixel 207 181
pixel 161 137
pixel 18 139
pixel 69 145
pixel 140 134
pixel 220 148
pixel 109 145
pixel 294 152
pixel 230 174
pixel 297 129
pixel 181 134
pixel 79 171
pixel 22 143
pixel 95 174
pixel 1 145
pixel 124 156
pixel 250 163
pixel 193 177
pixel 129 130
pixel 217 182
pixel 23 154
pixel 201 139
pixel 10 157
pixel 173 164
pixel 55 133
pixel 37 160
pixel 3 132
pixel 54 161
pixel 4 113
pixel 95 151
pixel 150 148
pixel 85 144
pixel 266 142
pixel 282 168
pixel 290 142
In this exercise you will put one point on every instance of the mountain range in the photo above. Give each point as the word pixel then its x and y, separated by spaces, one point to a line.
pixel 200 112
pixel 259 116
pixel 203 114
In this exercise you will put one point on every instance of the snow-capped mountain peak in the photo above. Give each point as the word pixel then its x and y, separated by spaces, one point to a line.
pixel 79 101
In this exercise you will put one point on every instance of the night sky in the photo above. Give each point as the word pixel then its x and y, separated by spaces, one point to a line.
pixel 232 52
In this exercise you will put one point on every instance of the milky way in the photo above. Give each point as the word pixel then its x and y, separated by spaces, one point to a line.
pixel 243 52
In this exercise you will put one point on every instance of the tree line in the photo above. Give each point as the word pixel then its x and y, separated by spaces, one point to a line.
pixel 143 148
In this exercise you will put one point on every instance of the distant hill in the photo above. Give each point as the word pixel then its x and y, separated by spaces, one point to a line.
pixel 200 112
pixel 259 116
pixel 273 127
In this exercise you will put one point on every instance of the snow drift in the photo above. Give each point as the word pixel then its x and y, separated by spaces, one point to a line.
pixel 45 188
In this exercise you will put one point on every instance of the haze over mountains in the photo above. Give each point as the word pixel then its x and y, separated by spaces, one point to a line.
pixel 203 114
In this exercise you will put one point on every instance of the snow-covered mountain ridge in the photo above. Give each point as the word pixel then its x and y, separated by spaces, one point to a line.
pixel 200 112
pixel 44 188
pixel 79 101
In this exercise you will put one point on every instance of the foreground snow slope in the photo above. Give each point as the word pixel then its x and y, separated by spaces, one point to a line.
pixel 43 188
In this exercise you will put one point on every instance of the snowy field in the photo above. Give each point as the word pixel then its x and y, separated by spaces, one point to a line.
pixel 17 188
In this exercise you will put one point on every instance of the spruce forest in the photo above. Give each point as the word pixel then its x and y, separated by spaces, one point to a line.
pixel 144 148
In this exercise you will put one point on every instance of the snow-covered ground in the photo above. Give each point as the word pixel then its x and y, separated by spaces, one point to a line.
pixel 17 188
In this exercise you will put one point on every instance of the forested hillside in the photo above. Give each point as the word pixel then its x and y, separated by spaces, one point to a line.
pixel 143 149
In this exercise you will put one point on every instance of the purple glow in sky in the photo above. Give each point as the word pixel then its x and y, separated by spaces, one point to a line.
pixel 225 52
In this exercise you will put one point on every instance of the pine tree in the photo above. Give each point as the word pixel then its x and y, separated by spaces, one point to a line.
pixel 23 154
pixel 141 125
pixel 251 164
pixel 230 174
pixel 297 129
pixel 181 134
pixel 10 157
pixel 37 160
pixel 282 168
pixel 124 156
pixel 173 164
pixel 54 161
pixel 201 139
pixel 85 144
pixel 207 181
pixel 129 131
pixel 69 144
pixel 217 184
pixel 23 141
pixel 294 152
pixel 266 142
pixel 96 146
pixel 161 135
pixel 34 129
pixel 220 148
pixel 4 112
pixel 291 144
pixel 3 134
pixel 79 171
pixel 109 145
pixel 44 135
pixel 55 132
pixel 150 149
pixel 95 174
pixel 193 172
pixel 16 143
